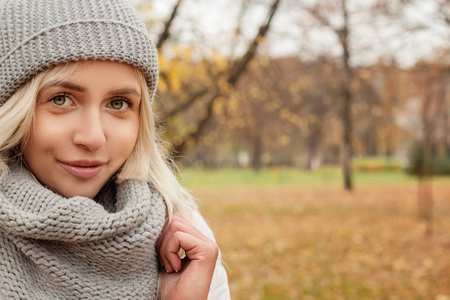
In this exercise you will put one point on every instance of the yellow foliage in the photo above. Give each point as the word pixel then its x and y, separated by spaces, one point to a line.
pixel 294 88
pixel 284 140
pixel 254 92
pixel 303 124
pixel 305 82
pixel 364 74
pixel 312 119
pixel 376 111
pixel 233 105
pixel 274 95
pixel 285 114
pixel 181 68
pixel 219 62
pixel 218 105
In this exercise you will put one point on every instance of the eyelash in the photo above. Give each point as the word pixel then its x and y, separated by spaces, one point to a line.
pixel 128 102
pixel 59 95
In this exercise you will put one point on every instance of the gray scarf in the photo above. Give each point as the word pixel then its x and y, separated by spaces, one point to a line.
pixel 52 247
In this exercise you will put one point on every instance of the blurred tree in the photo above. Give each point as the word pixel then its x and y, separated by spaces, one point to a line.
pixel 430 81
pixel 282 108
pixel 321 12
pixel 318 104
pixel 262 108
pixel 381 93
pixel 230 77
pixel 349 23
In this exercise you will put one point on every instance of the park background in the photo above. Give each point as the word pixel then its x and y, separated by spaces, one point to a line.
pixel 317 136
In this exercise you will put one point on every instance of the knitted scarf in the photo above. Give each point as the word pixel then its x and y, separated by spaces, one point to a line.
pixel 52 247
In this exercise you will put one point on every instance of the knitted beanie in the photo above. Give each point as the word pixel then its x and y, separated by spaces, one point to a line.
pixel 38 34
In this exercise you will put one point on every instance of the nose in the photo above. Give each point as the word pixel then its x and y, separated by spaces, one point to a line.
pixel 90 133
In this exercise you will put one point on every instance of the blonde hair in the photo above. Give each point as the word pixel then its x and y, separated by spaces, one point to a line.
pixel 149 161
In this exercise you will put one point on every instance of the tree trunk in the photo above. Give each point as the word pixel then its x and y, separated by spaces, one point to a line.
pixel 257 152
pixel 446 109
pixel 314 145
pixel 425 193
pixel 347 122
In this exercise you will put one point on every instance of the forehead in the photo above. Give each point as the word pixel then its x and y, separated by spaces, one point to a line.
pixel 102 66
pixel 95 73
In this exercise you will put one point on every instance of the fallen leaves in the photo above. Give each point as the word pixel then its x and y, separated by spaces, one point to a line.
pixel 325 243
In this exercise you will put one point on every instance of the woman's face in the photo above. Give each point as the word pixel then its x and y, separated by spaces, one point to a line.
pixel 85 127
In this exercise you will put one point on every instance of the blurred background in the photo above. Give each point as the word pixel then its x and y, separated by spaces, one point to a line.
pixel 317 136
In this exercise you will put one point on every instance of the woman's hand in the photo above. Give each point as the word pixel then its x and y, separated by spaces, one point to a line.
pixel 191 277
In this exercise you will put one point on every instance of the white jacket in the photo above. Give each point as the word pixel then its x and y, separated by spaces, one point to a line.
pixel 219 286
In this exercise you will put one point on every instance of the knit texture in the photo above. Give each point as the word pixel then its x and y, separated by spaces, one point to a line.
pixel 52 247
pixel 38 34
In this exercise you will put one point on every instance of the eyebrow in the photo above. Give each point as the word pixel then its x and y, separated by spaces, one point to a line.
pixel 64 84
pixel 79 88
pixel 125 91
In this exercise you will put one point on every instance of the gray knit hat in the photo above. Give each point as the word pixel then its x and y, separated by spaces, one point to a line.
pixel 38 34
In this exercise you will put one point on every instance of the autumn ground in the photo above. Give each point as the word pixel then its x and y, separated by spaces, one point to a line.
pixel 320 242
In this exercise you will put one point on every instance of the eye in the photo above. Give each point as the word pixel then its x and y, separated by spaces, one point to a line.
pixel 120 104
pixel 61 100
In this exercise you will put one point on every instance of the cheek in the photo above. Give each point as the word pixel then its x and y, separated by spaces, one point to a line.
pixel 44 137
pixel 123 138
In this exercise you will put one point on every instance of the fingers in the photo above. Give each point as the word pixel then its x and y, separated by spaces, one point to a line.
pixel 197 249
pixel 180 233
pixel 178 223
pixel 178 220
pixel 165 248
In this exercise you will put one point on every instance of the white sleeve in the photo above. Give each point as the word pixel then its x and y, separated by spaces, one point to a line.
pixel 219 289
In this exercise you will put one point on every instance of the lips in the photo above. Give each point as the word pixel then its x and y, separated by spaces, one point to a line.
pixel 83 169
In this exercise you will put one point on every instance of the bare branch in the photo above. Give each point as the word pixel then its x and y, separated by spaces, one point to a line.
pixel 195 135
pixel 165 34
pixel 235 72
pixel 192 99
pixel 240 65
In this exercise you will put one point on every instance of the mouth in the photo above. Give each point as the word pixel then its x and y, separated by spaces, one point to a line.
pixel 83 169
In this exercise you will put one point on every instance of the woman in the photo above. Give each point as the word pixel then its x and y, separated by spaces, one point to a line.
pixel 89 208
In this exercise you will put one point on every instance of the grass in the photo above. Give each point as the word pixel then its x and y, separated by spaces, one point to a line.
pixel 303 237
pixel 283 176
